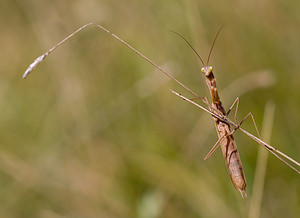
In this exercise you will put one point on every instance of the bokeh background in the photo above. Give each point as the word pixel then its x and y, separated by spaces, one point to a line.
pixel 95 131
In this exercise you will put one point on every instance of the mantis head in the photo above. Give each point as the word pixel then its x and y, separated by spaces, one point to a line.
pixel 207 70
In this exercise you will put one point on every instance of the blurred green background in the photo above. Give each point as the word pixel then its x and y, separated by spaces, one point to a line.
pixel 95 132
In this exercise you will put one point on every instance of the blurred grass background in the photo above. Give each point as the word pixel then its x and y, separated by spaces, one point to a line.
pixel 95 131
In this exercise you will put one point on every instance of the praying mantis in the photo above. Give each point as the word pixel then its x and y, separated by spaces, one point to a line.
pixel 224 126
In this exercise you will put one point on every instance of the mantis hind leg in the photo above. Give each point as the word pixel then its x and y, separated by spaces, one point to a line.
pixel 253 120
pixel 236 128
pixel 236 102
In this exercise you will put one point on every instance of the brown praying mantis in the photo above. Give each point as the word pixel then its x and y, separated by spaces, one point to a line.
pixel 225 127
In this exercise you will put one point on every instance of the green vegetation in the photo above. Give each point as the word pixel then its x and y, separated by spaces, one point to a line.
pixel 95 132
